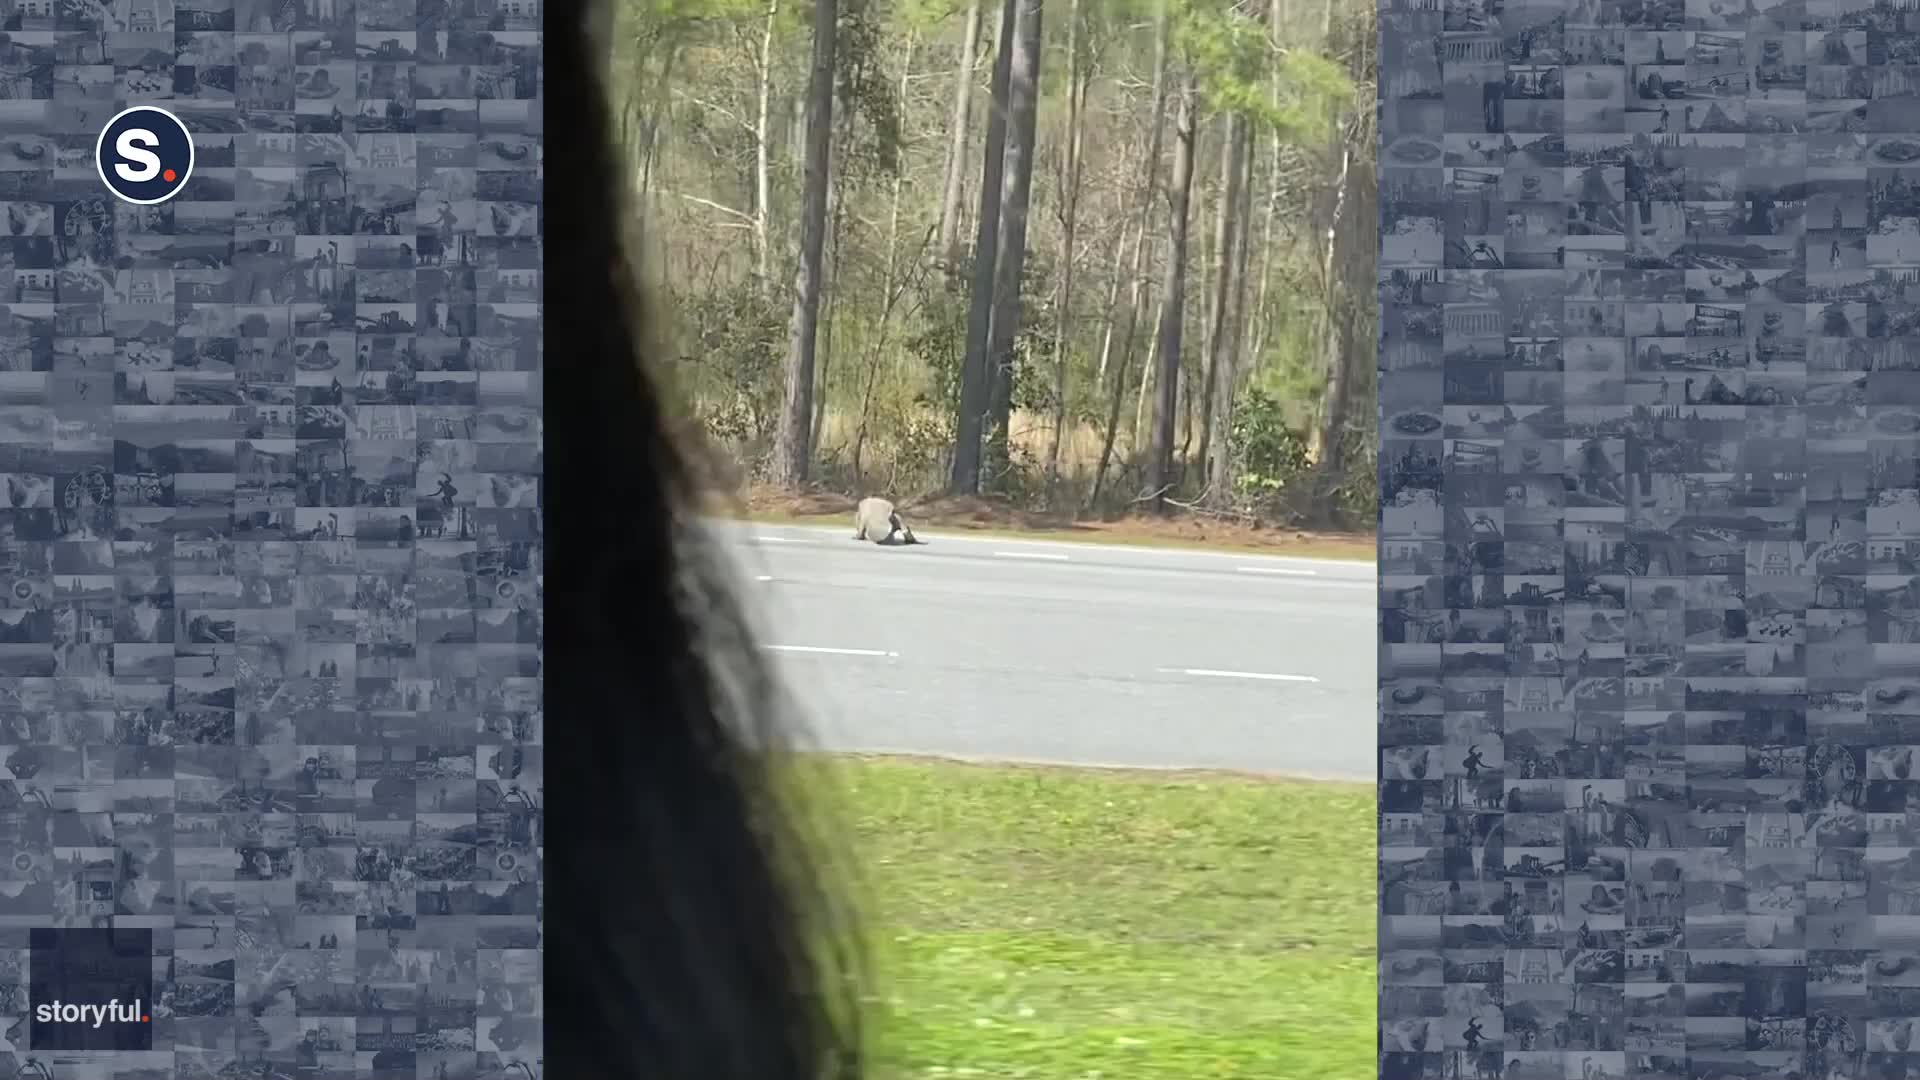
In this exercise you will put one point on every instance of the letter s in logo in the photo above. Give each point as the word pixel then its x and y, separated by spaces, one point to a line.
pixel 144 155
pixel 133 145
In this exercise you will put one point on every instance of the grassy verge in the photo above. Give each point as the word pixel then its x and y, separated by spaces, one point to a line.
pixel 1065 924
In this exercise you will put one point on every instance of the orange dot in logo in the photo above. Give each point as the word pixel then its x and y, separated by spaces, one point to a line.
pixel 168 175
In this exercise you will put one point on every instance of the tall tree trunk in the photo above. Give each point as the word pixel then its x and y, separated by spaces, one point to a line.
pixel 1220 463
pixel 1160 474
pixel 975 378
pixel 649 137
pixel 1275 14
pixel 1110 311
pixel 1333 441
pixel 1123 368
pixel 949 249
pixel 1210 264
pixel 796 166
pixel 1331 463
pixel 836 216
pixel 899 177
pixel 1147 372
pixel 793 455
pixel 1337 150
pixel 1183 427
pixel 1135 297
pixel 1069 227
pixel 1016 190
pixel 1221 342
pixel 796 139
pixel 762 157
pixel 1330 413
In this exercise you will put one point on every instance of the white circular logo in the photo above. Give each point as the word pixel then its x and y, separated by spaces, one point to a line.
pixel 144 155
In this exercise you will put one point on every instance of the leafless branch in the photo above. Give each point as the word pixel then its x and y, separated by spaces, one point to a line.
pixel 1196 507
pixel 721 109
pixel 745 218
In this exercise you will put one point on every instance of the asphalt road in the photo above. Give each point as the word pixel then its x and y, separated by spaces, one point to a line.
pixel 1001 649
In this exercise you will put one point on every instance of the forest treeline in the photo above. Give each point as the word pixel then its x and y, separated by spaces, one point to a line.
pixel 1089 255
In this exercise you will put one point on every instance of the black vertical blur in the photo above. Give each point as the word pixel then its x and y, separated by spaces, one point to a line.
pixel 681 924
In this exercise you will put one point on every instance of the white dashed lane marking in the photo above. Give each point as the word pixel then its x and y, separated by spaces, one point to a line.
pixel 825 651
pixel 1214 673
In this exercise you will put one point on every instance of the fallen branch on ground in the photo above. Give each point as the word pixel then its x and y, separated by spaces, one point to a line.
pixel 1241 517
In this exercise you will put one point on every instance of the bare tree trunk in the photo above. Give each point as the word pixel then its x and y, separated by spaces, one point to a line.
pixel 1160 473
pixel 1111 311
pixel 1069 227
pixel 1183 427
pixel 975 378
pixel 1260 325
pixel 796 165
pixel 1330 336
pixel 1341 373
pixel 1215 237
pixel 957 141
pixel 1221 341
pixel 899 176
pixel 1123 368
pixel 1333 433
pixel 649 140
pixel 762 158
pixel 1275 13
pixel 1147 372
pixel 1135 298
pixel 1220 464
pixel 837 202
pixel 1224 362
pixel 1016 190
pixel 792 454
pixel 796 137
pixel 1337 150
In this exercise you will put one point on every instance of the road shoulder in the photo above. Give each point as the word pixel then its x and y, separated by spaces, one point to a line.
pixel 987 519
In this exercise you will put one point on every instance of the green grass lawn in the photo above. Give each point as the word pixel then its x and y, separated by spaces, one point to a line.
pixel 1070 924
